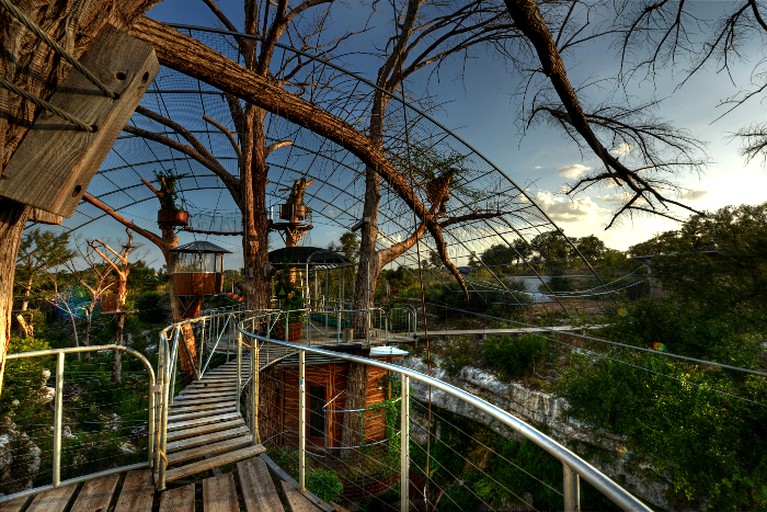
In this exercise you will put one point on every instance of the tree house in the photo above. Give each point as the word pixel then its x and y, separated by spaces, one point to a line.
pixel 198 271
pixel 326 385
pixel 293 218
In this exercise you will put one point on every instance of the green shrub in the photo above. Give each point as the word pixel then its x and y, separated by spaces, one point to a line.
pixel 512 356
pixel 324 484
pixel 687 420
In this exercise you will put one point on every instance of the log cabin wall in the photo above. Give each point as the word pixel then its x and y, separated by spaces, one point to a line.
pixel 279 403
pixel 198 283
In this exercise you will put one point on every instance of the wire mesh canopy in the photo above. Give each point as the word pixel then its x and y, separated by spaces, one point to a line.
pixel 485 208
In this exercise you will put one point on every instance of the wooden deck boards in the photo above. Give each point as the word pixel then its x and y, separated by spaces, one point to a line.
pixel 137 494
pixel 258 491
pixel 96 495
pixel 205 430
pixel 53 500
pixel 219 494
pixel 134 492
pixel 180 499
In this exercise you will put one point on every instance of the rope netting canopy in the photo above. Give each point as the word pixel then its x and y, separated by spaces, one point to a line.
pixel 495 211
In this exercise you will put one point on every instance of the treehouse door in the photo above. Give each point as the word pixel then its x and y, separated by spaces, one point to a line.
pixel 315 421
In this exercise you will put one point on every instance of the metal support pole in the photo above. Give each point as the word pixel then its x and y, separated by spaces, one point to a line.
pixel 404 439
pixel 302 421
pixel 58 415
pixel 239 367
pixel 571 484
pixel 255 369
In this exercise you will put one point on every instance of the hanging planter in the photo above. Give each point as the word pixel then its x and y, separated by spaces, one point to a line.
pixel 170 212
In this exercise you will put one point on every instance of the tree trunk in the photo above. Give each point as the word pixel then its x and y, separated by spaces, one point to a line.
pixel 13 216
pixel 353 431
pixel 27 327
pixel 255 242
pixel 73 24
pixel 87 332
pixel 117 357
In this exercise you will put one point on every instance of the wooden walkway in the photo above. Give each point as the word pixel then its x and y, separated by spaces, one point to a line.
pixel 205 429
pixel 250 488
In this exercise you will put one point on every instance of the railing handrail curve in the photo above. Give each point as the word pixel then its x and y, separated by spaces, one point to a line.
pixel 592 475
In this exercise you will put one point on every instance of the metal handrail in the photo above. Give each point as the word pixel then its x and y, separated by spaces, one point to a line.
pixel 154 395
pixel 574 467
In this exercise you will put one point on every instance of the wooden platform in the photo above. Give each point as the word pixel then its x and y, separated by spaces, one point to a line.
pixel 249 488
pixel 205 429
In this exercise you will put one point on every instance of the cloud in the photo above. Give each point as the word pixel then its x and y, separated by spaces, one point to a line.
pixel 566 209
pixel 617 198
pixel 573 171
pixel 692 195
pixel 622 149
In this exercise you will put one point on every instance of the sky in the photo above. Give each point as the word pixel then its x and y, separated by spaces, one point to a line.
pixel 482 102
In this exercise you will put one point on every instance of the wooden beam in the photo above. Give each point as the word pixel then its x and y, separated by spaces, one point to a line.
pixel 52 167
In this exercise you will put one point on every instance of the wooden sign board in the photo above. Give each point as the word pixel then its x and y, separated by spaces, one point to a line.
pixel 55 162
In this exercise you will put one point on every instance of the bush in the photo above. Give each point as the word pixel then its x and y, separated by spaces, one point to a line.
pixel 687 420
pixel 512 356
pixel 324 484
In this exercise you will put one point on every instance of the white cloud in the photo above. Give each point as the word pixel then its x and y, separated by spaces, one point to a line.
pixel 573 171
pixel 622 149
pixel 692 195
pixel 566 209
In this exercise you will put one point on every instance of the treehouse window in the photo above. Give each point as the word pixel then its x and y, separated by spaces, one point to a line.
pixel 199 263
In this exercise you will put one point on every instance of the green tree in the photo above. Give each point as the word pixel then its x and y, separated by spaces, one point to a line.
pixel 40 252
pixel 552 251
pixel 590 247
pixel 499 258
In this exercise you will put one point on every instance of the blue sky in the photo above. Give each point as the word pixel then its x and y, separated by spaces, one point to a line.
pixel 483 107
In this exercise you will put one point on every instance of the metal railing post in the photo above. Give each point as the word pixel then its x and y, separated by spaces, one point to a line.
pixel 571 485
pixel 58 415
pixel 239 367
pixel 302 421
pixel 404 462
pixel 367 326
pixel 255 390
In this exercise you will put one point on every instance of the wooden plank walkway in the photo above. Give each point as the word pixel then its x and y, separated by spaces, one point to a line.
pixel 134 492
pixel 205 430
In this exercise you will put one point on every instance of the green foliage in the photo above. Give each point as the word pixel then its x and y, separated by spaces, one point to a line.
pixel 285 457
pixel 686 420
pixel 23 379
pixel 168 188
pixel 513 356
pixel 326 485
pixel 471 463
pixel 459 353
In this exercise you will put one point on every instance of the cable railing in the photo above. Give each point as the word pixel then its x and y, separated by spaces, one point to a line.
pixel 573 469
pixel 90 428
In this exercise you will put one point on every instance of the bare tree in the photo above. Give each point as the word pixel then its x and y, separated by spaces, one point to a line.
pixel 425 35
pixel 97 278
pixel 119 261
pixel 166 241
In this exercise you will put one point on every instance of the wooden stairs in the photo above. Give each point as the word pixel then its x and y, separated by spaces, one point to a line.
pixel 205 428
